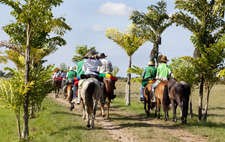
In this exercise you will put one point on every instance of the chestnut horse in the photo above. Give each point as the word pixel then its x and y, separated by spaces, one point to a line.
pixel 179 93
pixel 69 94
pixel 91 92
pixel 159 91
pixel 108 93
pixel 148 96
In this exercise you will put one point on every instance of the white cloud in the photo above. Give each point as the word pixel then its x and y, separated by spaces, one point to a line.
pixel 97 28
pixel 115 9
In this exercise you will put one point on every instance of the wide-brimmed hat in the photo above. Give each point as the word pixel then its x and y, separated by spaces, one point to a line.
pixel 164 59
pixel 91 53
pixel 151 63
pixel 71 68
pixel 102 55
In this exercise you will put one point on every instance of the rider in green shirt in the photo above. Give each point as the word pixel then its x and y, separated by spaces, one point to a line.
pixel 163 73
pixel 148 74
pixel 70 76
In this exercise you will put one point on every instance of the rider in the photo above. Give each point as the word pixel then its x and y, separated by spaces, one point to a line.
pixel 90 67
pixel 63 76
pixel 163 73
pixel 148 74
pixel 70 76
pixel 56 74
pixel 106 68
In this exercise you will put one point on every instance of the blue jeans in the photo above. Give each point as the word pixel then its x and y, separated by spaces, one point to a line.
pixel 74 91
pixel 142 93
pixel 154 86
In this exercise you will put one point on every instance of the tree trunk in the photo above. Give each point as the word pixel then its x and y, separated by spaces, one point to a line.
pixel 157 57
pixel 128 84
pixel 18 123
pixel 32 109
pixel 26 100
pixel 206 105
pixel 200 99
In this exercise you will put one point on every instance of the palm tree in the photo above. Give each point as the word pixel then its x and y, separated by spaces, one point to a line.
pixel 130 42
pixel 152 24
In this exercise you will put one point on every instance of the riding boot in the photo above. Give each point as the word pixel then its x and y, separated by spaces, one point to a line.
pixel 153 96
pixel 142 94
pixel 78 98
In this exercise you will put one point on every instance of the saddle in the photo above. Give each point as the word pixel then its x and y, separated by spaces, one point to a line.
pixel 83 76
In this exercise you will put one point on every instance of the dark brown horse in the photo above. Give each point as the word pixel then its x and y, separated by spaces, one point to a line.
pixel 108 93
pixel 57 84
pixel 178 93
pixel 148 96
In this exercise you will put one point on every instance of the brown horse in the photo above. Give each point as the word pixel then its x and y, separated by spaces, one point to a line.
pixel 159 91
pixel 69 94
pixel 108 93
pixel 179 93
pixel 57 84
pixel 148 97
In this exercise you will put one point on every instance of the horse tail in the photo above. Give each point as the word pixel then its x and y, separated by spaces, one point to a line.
pixel 166 99
pixel 89 97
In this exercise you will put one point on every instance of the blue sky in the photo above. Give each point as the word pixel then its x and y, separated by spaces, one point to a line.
pixel 89 19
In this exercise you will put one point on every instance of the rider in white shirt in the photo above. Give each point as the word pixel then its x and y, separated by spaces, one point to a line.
pixel 106 65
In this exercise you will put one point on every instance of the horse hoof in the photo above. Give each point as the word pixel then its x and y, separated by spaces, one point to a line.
pixel 88 125
pixel 103 115
pixel 71 108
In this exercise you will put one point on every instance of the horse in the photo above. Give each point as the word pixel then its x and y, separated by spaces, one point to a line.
pixel 159 91
pixel 179 93
pixel 148 96
pixel 108 93
pixel 91 92
pixel 69 94
pixel 57 84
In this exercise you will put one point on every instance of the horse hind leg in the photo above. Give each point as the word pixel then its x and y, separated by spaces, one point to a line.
pixel 108 105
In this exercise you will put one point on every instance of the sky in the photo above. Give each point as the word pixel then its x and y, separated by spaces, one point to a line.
pixel 90 18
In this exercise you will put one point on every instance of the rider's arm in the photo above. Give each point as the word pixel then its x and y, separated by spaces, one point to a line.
pixel 143 74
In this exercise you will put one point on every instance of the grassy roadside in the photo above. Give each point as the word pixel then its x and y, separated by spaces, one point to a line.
pixel 54 124
pixel 212 130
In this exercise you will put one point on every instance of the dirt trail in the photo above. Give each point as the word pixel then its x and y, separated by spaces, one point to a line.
pixel 118 133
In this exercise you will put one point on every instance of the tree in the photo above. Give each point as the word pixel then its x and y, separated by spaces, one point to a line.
pixel 152 24
pixel 2 58
pixel 207 28
pixel 130 42
pixel 115 70
pixel 33 19
pixel 219 7
pixel 2 73
pixel 81 51
pixel 64 67
pixel 138 71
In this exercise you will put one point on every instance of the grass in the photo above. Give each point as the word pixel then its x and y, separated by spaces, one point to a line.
pixel 212 130
pixel 54 124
